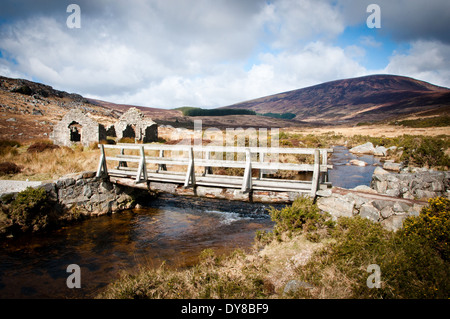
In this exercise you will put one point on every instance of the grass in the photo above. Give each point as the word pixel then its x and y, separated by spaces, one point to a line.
pixel 439 121
pixel 413 264
pixel 414 150
pixel 40 160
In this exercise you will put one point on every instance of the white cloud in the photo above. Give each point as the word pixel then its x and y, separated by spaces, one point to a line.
pixel 172 53
pixel 425 60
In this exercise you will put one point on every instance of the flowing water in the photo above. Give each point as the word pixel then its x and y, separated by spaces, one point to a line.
pixel 173 230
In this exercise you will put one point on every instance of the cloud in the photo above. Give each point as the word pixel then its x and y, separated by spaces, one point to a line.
pixel 207 53
pixel 425 60
pixel 404 20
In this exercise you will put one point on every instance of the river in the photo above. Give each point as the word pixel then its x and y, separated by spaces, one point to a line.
pixel 172 230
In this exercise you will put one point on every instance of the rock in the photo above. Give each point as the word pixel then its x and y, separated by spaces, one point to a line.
pixel 369 212
pixel 336 205
pixel 365 189
pixel 393 192
pixel 394 222
pixel 387 212
pixel 400 207
pixel 366 148
pixel 380 204
pixel 294 286
pixel 391 166
pixel 324 192
pixel 380 151
pixel 380 171
pixel 358 162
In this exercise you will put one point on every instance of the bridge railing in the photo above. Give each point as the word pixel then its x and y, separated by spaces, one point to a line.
pixel 265 159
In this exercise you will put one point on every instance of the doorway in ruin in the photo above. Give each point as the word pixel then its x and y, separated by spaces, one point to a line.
pixel 129 131
pixel 75 131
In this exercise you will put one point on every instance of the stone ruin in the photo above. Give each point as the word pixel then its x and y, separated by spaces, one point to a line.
pixel 77 127
pixel 133 124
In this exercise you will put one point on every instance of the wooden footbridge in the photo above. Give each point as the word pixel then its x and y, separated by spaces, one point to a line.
pixel 191 166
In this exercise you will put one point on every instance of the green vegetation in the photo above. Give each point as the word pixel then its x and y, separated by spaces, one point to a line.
pixel 29 209
pixel 302 216
pixel 439 121
pixel 414 150
pixel 32 210
pixel 414 261
pixel 196 111
pixel 284 116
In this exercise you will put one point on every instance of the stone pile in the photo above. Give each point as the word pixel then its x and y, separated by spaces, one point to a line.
pixel 422 184
pixel 391 198
pixel 93 196
pixel 390 212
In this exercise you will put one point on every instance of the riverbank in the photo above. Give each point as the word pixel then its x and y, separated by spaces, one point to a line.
pixel 316 258
pixel 50 205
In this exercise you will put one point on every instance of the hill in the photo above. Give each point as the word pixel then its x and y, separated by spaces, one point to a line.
pixel 28 110
pixel 362 99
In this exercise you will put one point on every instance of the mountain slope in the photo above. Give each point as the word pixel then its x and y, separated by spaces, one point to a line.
pixel 368 98
pixel 28 110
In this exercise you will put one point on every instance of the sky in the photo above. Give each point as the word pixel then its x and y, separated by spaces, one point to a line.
pixel 212 53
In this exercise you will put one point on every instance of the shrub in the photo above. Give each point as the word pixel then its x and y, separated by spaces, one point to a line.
pixel 9 168
pixel 302 215
pixel 438 121
pixel 413 261
pixel 40 147
pixel 432 226
pixel 9 146
pixel 30 210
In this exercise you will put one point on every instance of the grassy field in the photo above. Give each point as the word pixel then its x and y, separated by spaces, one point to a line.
pixel 40 160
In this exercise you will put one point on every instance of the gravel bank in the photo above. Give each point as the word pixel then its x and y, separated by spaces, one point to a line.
pixel 8 186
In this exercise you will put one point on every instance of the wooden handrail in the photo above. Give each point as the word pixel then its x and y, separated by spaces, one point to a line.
pixel 320 154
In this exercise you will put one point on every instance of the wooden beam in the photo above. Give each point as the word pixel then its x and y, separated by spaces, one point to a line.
pixel 190 174
pixel 247 180
pixel 316 173
pixel 102 169
pixel 142 169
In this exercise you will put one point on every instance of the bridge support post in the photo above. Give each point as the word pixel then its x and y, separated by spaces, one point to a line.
pixel 142 169
pixel 247 182
pixel 208 170
pixel 161 167
pixel 190 174
pixel 102 169
pixel 316 173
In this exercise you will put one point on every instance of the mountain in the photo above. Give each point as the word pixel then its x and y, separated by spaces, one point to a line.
pixel 363 99
pixel 28 110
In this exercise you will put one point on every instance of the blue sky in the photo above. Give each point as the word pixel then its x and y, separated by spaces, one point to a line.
pixel 210 53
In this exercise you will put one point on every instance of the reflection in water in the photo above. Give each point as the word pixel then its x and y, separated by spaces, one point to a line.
pixel 350 176
pixel 174 230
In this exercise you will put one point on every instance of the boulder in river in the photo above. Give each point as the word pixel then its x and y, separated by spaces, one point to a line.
pixel 366 148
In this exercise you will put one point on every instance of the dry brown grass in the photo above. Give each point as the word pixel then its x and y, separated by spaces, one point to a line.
pixel 51 164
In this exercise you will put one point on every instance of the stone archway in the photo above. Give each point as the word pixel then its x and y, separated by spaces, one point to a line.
pixel 75 131
pixel 129 131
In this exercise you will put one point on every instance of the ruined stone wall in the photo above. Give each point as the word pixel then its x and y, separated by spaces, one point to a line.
pixel 90 132
pixel 144 129
pixel 91 195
